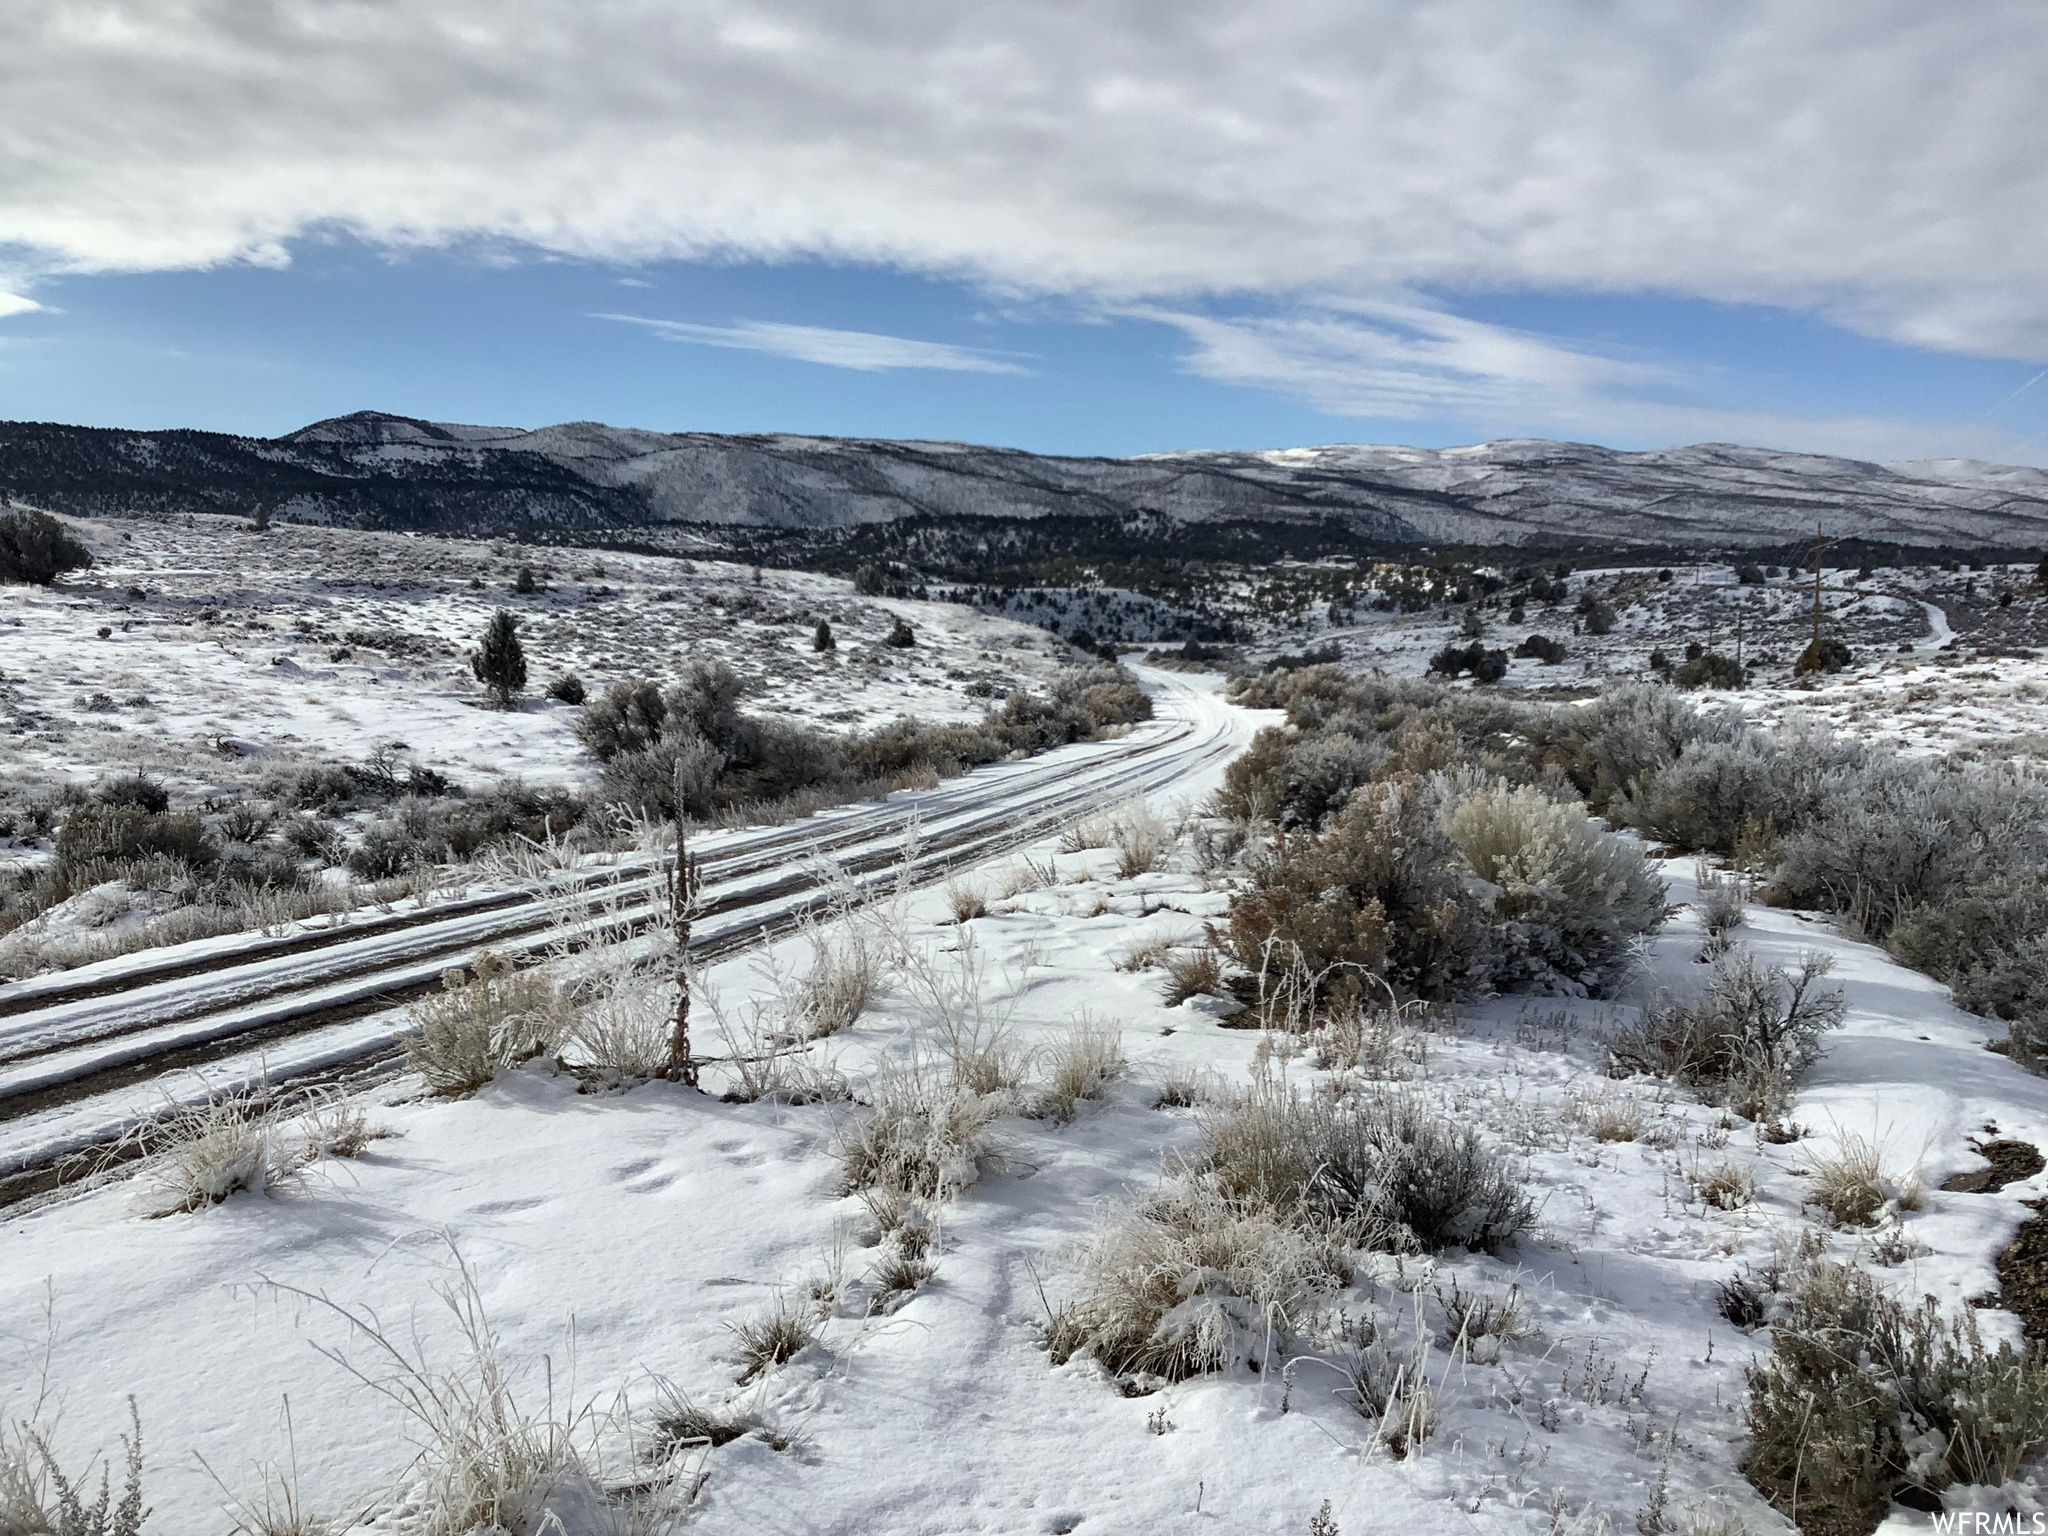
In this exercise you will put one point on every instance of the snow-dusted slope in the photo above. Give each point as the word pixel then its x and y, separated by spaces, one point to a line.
pixel 376 470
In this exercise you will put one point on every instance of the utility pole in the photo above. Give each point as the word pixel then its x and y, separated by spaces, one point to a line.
pixel 1818 545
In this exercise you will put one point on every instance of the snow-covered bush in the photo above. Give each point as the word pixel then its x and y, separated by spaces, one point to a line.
pixel 1570 899
pixel 481 1023
pixel 1862 1402
pixel 1895 834
pixel 1295 779
pixel 1745 1040
pixel 1378 1169
pixel 1704 798
pixel 1188 1282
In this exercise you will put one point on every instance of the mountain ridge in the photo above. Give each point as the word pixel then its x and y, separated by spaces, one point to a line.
pixel 376 469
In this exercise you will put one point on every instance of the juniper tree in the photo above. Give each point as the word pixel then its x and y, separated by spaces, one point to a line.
pixel 500 662
pixel 36 548
pixel 821 639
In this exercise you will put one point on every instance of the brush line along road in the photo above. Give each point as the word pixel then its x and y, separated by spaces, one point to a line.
pixel 87 1054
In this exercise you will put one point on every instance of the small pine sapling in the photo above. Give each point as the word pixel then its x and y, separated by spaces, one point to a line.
pixel 500 661
pixel 821 638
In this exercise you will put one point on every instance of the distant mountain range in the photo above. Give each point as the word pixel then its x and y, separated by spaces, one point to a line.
pixel 593 482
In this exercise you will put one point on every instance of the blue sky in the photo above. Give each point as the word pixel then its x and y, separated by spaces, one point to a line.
pixel 1810 224
pixel 522 339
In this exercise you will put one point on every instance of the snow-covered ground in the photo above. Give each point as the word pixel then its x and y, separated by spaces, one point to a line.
pixel 1941 664
pixel 616 1237
pixel 226 652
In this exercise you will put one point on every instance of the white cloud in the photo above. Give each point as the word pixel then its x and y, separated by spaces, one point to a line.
pixel 863 350
pixel 15 304
pixel 1402 361
pixel 1880 162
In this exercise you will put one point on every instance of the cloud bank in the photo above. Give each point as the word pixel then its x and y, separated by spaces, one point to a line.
pixel 864 351
pixel 1882 163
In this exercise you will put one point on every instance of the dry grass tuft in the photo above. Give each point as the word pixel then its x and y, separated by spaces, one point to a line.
pixel 623 1035
pixel 1080 1065
pixel 1849 1183
pixel 1188 1282
pixel 774 1338
pixel 485 1021
pixel 966 900
pixel 1142 840
pixel 1725 1186
pixel 199 1155
pixel 1192 973
pixel 927 1134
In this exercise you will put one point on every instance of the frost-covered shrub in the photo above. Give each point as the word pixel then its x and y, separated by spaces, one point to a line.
pixel 1377 1169
pixel 1627 735
pixel 1705 797
pixel 38 1498
pixel 2012 984
pixel 1188 1282
pixel 1894 833
pixel 1723 901
pixel 1709 669
pixel 481 1023
pixel 124 831
pixel 623 1033
pixel 676 776
pixel 509 811
pixel 1570 899
pixel 1297 780
pixel 626 717
pixel 1862 1402
pixel 1379 891
pixel 839 985
pixel 1745 1040
pixel 388 849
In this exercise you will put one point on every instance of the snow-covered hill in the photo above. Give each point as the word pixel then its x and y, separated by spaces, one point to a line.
pixel 376 470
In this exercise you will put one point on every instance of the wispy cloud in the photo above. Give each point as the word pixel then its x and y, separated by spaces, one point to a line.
pixel 865 351
pixel 15 304
pixel 1398 360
